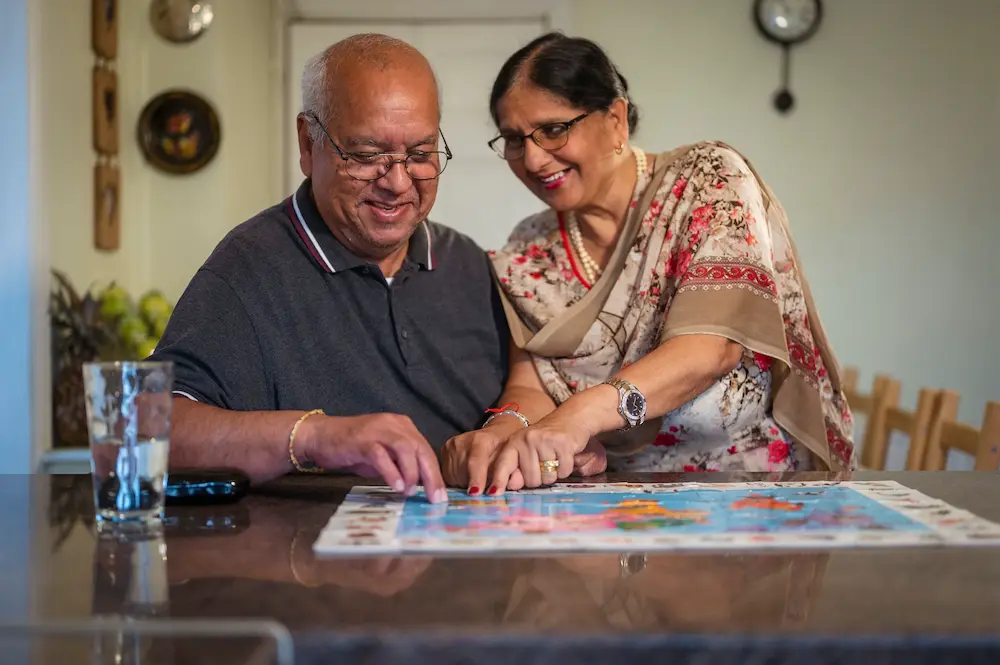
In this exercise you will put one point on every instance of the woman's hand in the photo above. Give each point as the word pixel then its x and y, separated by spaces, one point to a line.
pixel 466 458
pixel 559 437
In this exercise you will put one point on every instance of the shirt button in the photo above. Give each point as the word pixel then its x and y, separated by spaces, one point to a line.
pixel 404 334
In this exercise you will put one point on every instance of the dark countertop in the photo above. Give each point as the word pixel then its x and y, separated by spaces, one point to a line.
pixel 253 560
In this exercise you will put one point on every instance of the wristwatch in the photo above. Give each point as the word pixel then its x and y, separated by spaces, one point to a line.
pixel 631 403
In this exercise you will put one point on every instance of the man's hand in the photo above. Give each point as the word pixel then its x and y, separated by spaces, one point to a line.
pixel 379 445
pixel 466 458
pixel 382 576
pixel 592 461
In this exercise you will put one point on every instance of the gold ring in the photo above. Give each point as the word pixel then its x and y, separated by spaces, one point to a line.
pixel 549 466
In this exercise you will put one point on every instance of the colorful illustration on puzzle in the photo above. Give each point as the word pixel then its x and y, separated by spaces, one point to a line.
pixel 617 516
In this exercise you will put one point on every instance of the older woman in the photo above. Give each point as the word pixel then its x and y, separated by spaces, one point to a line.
pixel 658 310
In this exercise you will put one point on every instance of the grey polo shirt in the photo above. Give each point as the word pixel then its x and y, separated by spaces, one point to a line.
pixel 283 316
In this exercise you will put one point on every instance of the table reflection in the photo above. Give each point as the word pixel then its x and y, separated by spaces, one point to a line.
pixel 677 592
pixel 130 581
pixel 225 561
pixel 254 559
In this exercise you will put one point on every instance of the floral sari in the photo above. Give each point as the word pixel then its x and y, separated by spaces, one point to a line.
pixel 705 249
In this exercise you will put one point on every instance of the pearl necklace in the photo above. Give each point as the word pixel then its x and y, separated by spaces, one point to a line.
pixel 591 270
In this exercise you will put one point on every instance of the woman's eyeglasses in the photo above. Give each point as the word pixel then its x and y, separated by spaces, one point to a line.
pixel 547 137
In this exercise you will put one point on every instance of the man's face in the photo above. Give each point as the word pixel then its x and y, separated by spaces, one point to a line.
pixel 393 110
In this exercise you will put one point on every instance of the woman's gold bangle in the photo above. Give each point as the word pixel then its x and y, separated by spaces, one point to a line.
pixel 291 444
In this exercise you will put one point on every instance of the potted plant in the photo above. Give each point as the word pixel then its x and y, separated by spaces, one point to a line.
pixel 88 328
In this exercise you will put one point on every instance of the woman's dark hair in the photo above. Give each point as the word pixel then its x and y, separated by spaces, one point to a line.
pixel 573 68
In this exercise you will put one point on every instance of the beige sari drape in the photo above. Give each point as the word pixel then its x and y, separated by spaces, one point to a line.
pixel 706 249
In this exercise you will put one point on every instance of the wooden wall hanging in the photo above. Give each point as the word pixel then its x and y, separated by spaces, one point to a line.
pixel 104 28
pixel 105 111
pixel 106 121
pixel 107 206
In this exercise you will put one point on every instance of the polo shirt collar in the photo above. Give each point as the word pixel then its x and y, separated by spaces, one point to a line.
pixel 329 253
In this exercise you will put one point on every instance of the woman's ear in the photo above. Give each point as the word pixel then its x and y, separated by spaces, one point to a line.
pixel 618 116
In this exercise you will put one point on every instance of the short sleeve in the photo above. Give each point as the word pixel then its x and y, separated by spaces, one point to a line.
pixel 212 343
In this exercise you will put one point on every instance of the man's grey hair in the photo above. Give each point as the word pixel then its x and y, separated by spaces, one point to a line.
pixel 314 97
pixel 371 49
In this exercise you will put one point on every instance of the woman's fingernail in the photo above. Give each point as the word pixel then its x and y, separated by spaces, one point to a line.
pixel 473 490
pixel 492 490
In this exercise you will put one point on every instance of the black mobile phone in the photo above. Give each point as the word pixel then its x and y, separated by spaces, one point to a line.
pixel 189 521
pixel 199 487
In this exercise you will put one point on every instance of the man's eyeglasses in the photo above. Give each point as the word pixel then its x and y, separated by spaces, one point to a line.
pixel 419 164
pixel 546 137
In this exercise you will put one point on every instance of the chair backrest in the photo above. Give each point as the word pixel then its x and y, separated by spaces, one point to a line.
pixel 914 424
pixel 874 442
pixel 946 433
pixel 887 417
pixel 849 380
pixel 859 402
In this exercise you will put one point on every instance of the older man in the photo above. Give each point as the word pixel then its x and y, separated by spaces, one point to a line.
pixel 341 329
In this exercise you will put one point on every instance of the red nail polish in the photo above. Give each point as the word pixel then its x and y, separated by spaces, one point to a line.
pixel 493 490
pixel 473 490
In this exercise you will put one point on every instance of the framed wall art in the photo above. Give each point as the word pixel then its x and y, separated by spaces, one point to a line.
pixel 105 97
pixel 179 132
pixel 104 28
pixel 107 206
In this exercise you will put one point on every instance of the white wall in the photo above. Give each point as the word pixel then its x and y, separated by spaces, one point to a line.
pixel 169 223
pixel 887 166
pixel 66 157
pixel 884 166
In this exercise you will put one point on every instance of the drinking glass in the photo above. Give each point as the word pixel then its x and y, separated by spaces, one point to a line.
pixel 128 419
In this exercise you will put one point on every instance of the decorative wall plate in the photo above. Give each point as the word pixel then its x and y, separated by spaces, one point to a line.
pixel 179 132
pixel 180 21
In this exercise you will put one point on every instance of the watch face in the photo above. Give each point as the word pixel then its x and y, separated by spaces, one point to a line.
pixel 788 21
pixel 634 404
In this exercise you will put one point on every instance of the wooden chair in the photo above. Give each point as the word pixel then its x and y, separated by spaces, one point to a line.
pixel 873 405
pixel 945 434
pixel 849 378
pixel 887 417
pixel 849 383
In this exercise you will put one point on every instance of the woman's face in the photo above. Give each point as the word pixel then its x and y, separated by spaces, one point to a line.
pixel 574 175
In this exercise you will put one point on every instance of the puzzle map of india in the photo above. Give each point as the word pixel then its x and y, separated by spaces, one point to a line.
pixel 580 517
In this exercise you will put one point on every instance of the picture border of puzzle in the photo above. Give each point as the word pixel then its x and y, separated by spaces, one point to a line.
pixel 368 520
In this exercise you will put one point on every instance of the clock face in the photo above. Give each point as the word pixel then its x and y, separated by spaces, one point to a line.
pixel 788 21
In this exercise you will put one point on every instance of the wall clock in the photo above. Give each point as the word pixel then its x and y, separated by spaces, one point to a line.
pixel 787 23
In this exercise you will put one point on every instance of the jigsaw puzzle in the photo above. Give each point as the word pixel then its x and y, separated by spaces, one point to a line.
pixel 628 516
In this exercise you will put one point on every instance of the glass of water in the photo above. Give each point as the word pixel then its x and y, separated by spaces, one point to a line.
pixel 128 418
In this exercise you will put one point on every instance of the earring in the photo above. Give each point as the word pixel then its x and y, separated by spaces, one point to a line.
pixel 620 148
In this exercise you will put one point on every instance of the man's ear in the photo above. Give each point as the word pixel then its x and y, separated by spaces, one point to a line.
pixel 305 145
